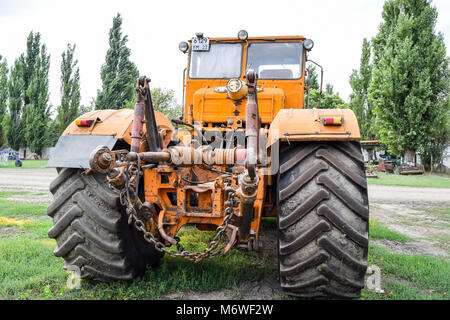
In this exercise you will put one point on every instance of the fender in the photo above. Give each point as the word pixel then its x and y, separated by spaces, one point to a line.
pixel 307 125
pixel 111 128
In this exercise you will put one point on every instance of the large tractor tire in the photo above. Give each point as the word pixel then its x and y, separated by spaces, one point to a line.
pixel 323 219
pixel 91 229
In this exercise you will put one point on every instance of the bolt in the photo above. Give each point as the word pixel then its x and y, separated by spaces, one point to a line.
pixel 106 157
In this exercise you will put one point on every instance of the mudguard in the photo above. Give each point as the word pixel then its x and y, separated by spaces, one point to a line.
pixel 72 151
pixel 307 125
pixel 109 128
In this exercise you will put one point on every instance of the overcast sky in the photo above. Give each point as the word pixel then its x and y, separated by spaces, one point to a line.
pixel 155 28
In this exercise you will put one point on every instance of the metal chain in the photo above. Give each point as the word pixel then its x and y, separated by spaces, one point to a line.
pixel 208 252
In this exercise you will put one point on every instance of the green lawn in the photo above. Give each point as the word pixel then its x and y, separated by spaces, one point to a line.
pixel 425 180
pixel 406 277
pixel 409 277
pixel 26 164
pixel 29 270
pixel 379 232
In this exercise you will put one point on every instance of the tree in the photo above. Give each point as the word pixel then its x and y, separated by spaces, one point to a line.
pixel 70 90
pixel 410 86
pixel 3 96
pixel 329 100
pixel 165 102
pixel 329 89
pixel 118 74
pixel 38 111
pixel 14 129
pixel 29 60
pixel 312 77
pixel 28 63
pixel 359 98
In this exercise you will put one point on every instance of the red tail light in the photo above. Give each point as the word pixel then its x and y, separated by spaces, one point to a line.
pixel 84 122
pixel 332 121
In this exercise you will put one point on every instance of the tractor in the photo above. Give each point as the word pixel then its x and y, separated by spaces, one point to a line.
pixel 247 146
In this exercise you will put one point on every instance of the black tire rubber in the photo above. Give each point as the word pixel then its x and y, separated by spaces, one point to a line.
pixel 323 219
pixel 91 229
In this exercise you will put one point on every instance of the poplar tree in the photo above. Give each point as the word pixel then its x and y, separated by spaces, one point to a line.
pixel 29 60
pixel 15 129
pixel 70 90
pixel 410 85
pixel 359 98
pixel 3 96
pixel 118 73
pixel 38 110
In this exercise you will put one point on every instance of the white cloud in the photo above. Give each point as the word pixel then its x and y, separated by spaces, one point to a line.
pixel 155 28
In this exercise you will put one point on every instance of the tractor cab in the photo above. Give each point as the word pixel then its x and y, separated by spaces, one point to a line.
pixel 215 90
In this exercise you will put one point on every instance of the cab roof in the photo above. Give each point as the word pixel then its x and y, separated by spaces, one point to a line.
pixel 236 39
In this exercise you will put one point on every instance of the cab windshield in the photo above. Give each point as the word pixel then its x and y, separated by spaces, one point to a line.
pixel 223 60
pixel 275 60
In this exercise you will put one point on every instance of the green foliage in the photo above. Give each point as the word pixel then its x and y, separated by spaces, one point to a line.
pixel 359 98
pixel 82 109
pixel 29 113
pixel 165 102
pixel 36 114
pixel 312 77
pixel 53 132
pixel 3 96
pixel 410 86
pixel 28 62
pixel 118 74
pixel 329 100
pixel 14 129
pixel 70 90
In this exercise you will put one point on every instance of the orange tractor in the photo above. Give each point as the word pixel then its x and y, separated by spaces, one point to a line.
pixel 245 148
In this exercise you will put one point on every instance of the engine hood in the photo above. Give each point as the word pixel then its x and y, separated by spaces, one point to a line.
pixel 211 106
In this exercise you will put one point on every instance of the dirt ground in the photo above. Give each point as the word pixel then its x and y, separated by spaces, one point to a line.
pixel 411 211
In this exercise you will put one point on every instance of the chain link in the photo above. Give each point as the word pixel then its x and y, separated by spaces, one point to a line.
pixel 208 252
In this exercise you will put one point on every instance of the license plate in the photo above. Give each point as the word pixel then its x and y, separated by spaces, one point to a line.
pixel 200 44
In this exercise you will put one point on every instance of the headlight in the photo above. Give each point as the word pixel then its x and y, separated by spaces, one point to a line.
pixel 243 35
pixel 236 89
pixel 308 44
pixel 183 46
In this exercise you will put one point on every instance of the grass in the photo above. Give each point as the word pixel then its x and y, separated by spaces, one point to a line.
pixel 441 213
pixel 26 164
pixel 379 232
pixel 22 209
pixel 7 193
pixel 425 180
pixel 409 277
pixel 29 270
